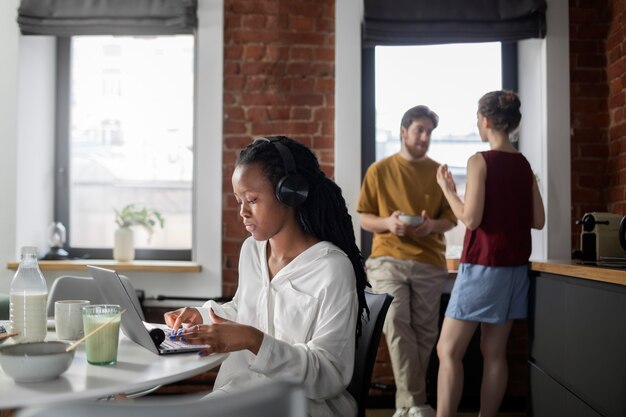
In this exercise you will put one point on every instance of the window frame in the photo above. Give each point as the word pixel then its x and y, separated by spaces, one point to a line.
pixel 62 167
pixel 509 65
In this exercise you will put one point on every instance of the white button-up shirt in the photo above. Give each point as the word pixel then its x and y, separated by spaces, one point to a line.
pixel 308 313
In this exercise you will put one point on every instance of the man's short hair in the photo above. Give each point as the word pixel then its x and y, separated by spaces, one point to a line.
pixel 418 112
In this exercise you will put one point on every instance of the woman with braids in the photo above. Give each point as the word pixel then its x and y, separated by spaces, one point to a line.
pixel 301 282
pixel 502 203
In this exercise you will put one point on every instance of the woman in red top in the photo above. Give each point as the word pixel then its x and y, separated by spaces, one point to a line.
pixel 502 203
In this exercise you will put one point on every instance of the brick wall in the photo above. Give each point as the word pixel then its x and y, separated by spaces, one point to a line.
pixel 589 25
pixel 616 77
pixel 279 79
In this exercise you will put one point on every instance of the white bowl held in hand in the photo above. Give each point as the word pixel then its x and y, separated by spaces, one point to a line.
pixel 35 362
pixel 411 220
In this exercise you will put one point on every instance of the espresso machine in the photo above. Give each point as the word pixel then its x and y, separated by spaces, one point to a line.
pixel 599 237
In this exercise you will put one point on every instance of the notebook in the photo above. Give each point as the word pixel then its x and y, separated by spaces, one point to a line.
pixel 152 336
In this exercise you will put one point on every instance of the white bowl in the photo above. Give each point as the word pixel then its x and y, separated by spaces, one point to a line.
pixel 35 362
pixel 412 220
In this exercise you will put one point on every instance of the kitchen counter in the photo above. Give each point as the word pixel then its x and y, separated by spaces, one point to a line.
pixel 576 270
pixel 576 317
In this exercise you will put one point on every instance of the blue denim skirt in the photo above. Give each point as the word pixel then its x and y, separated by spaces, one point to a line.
pixel 489 294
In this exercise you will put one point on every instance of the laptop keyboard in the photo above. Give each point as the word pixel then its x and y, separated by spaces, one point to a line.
pixel 175 344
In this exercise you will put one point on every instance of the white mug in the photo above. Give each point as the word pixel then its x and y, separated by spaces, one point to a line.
pixel 68 319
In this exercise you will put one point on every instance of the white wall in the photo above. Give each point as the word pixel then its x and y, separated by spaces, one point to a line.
pixel 544 92
pixel 545 132
pixel 26 164
pixel 348 104
pixel 8 133
pixel 35 141
pixel 532 143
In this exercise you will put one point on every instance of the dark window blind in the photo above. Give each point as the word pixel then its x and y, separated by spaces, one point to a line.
pixel 421 22
pixel 107 17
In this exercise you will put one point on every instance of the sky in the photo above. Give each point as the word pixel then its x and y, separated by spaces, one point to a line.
pixel 447 78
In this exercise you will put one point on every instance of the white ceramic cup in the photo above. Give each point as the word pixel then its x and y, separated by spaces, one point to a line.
pixel 68 319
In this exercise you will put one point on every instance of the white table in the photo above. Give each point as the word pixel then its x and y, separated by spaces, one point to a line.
pixel 136 369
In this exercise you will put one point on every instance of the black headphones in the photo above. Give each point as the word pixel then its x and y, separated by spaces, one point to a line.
pixel 292 189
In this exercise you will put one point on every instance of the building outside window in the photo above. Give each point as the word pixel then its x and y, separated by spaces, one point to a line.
pixel 129 140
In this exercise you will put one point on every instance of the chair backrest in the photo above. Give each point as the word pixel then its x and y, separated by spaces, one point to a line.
pixel 270 399
pixel 69 287
pixel 368 347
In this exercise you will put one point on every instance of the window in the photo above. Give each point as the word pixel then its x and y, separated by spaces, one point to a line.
pixel 125 135
pixel 449 79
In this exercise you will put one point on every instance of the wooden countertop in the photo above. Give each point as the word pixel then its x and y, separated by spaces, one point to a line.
pixel 453 265
pixel 576 270
pixel 559 267
pixel 147 266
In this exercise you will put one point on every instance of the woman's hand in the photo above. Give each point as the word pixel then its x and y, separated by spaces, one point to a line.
pixel 223 336
pixel 176 319
pixel 445 180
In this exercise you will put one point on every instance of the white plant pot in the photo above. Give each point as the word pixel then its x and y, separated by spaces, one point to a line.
pixel 124 247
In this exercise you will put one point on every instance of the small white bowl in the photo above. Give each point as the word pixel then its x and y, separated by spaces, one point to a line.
pixel 35 362
pixel 412 220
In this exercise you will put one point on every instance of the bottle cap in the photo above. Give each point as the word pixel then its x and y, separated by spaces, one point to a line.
pixel 29 249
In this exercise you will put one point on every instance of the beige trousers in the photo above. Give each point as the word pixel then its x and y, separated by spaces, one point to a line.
pixel 411 323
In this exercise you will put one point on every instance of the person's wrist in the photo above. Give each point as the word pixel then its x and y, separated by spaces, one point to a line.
pixel 255 339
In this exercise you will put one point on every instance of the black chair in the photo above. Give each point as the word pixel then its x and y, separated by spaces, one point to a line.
pixel 368 347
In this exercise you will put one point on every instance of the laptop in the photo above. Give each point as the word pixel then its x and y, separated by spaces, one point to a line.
pixel 152 336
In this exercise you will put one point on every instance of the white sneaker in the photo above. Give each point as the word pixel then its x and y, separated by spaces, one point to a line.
pixel 421 411
pixel 401 412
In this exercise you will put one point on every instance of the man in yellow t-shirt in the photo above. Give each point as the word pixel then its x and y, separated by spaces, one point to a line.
pixel 408 261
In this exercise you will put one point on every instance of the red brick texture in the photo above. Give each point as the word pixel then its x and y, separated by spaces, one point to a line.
pixel 615 50
pixel 598 95
pixel 589 26
pixel 279 79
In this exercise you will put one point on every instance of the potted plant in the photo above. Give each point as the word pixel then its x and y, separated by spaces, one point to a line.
pixel 129 216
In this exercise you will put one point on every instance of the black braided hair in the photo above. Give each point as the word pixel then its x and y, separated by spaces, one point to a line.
pixel 324 214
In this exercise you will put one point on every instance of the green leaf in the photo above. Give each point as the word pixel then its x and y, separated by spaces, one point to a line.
pixel 131 216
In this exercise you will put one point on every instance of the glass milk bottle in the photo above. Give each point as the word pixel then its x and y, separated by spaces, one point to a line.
pixel 28 295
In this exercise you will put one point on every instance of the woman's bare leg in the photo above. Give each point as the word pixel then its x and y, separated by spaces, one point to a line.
pixel 453 342
pixel 493 343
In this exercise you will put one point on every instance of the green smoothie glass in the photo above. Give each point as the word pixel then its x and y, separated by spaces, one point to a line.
pixel 101 347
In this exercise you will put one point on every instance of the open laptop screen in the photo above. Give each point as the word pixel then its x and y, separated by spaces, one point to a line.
pixel 114 291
